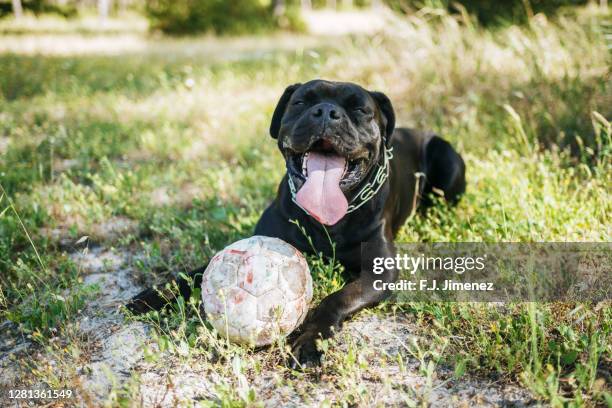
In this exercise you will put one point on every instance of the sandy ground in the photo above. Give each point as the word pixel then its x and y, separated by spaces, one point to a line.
pixel 117 354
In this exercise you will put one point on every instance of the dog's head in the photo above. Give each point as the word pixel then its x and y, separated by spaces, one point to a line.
pixel 331 135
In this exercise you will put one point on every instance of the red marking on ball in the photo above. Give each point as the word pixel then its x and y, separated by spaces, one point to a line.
pixel 237 251
pixel 249 277
pixel 239 297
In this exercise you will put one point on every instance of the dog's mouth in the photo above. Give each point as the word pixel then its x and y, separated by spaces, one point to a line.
pixel 323 176
pixel 353 171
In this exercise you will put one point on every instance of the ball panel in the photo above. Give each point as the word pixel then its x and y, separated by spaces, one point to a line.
pixel 294 280
pixel 241 305
pixel 229 300
pixel 271 307
pixel 234 310
pixel 280 248
pixel 309 291
pixel 222 271
pixel 253 244
pixel 257 273
pixel 294 314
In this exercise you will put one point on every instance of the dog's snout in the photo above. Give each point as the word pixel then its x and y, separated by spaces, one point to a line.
pixel 326 111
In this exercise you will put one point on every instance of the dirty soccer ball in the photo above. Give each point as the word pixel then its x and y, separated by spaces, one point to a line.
pixel 256 289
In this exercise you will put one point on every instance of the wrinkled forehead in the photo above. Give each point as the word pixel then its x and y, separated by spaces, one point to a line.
pixel 340 92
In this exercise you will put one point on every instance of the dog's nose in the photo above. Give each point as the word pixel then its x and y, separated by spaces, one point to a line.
pixel 326 111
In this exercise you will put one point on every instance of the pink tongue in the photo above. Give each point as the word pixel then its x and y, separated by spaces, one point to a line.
pixel 321 195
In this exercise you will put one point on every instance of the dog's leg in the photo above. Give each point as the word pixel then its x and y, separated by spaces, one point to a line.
pixel 270 225
pixel 156 299
pixel 328 316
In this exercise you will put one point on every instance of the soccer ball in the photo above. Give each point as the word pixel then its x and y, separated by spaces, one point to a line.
pixel 256 290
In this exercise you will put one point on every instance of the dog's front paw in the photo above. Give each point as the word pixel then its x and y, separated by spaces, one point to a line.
pixel 304 351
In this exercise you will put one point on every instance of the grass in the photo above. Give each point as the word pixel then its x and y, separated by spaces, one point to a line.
pixel 176 142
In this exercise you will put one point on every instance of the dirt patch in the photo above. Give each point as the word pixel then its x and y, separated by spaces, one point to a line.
pixel 183 196
pixel 177 386
pixel 112 365
pixel 383 380
pixel 113 229
pixel 386 371
pixel 13 347
pixel 118 344
pixel 392 336
pixel 108 231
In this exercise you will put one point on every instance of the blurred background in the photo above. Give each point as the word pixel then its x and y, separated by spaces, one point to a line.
pixel 251 16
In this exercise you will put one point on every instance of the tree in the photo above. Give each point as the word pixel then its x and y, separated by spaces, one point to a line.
pixel 17 8
pixel 103 8
pixel 278 7
pixel 218 16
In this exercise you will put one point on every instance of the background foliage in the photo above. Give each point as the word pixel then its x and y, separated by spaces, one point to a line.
pixel 252 16
pixel 218 16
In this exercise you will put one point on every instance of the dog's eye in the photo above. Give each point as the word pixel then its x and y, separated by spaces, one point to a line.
pixel 298 103
pixel 360 110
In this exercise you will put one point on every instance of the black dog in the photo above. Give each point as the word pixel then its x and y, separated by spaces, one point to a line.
pixel 350 177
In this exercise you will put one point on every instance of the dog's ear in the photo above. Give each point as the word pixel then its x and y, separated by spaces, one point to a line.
pixel 279 111
pixel 388 115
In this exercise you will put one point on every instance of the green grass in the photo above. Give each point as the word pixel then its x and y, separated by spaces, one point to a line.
pixel 178 143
